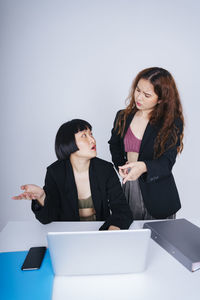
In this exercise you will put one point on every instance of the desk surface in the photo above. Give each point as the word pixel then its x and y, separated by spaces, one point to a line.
pixel 165 278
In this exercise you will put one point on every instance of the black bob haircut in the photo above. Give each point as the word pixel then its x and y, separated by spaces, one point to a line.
pixel 65 142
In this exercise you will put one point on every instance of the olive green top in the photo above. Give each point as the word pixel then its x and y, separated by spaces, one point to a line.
pixel 87 203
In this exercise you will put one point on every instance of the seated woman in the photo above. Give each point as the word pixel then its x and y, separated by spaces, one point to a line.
pixel 79 186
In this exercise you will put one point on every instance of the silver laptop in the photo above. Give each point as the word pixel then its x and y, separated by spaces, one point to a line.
pixel 98 252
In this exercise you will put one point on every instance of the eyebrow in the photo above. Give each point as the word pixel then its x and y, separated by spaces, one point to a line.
pixel 147 94
pixel 137 87
pixel 85 130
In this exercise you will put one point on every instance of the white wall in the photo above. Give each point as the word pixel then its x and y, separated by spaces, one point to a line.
pixel 65 59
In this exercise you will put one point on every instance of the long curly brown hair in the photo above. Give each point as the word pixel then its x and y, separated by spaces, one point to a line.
pixel 165 113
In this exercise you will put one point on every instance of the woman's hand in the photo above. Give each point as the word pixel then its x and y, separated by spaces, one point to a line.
pixel 112 227
pixel 31 191
pixel 132 171
pixel 123 172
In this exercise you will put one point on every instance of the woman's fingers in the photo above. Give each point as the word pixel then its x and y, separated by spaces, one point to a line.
pixel 24 195
pixel 125 170
pixel 127 165
pixel 127 178
pixel 27 196
pixel 16 197
pixel 132 175
pixel 31 192
pixel 122 173
pixel 28 187
pixel 112 227
pixel 133 170
pixel 19 197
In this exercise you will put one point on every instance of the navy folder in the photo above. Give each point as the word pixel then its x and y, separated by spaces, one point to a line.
pixel 16 284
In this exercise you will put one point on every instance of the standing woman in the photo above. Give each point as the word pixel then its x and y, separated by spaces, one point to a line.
pixel 146 138
pixel 79 186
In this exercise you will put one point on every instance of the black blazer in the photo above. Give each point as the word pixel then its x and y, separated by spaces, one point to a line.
pixel 157 185
pixel 61 202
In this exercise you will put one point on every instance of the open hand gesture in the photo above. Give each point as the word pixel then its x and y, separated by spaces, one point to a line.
pixel 31 191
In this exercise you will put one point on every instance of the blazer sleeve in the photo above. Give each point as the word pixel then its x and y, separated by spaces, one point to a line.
pixel 161 167
pixel 121 215
pixel 50 211
pixel 116 149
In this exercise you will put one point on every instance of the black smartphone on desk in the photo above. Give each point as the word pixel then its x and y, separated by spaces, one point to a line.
pixel 34 258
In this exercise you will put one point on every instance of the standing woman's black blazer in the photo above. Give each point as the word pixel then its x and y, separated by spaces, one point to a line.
pixel 157 185
pixel 61 202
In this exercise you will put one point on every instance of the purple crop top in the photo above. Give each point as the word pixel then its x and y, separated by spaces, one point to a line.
pixel 131 143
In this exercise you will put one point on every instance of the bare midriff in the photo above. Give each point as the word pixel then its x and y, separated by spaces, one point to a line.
pixel 86 212
pixel 132 156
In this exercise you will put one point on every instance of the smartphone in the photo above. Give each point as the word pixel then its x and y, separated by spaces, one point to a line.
pixel 34 258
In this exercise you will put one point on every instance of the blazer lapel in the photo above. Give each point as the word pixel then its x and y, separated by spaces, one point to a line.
pixel 70 189
pixel 95 190
pixel 128 122
pixel 147 134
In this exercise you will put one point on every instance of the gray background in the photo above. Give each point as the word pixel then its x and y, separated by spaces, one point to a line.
pixel 76 59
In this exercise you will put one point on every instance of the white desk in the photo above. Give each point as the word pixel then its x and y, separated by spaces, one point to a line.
pixel 164 279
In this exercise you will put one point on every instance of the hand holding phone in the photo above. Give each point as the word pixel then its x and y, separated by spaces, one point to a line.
pixel 34 258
